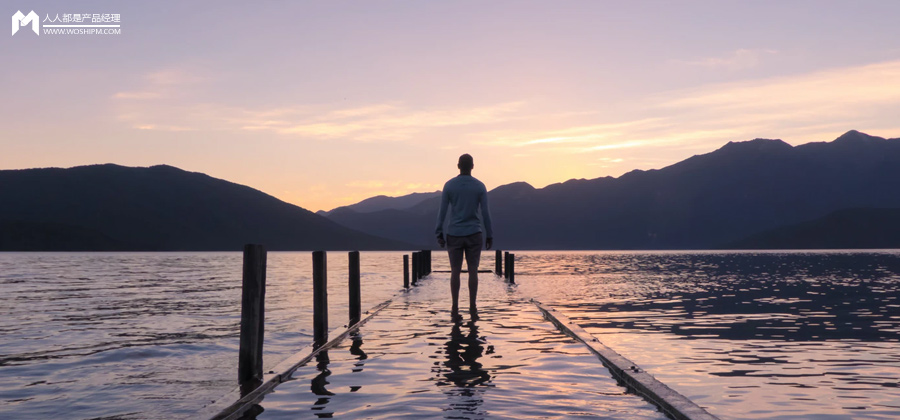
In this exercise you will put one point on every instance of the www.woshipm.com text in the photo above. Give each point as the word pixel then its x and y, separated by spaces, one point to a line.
pixel 82 31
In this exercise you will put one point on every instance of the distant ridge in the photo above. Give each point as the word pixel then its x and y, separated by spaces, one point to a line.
pixel 843 229
pixel 160 208
pixel 705 201
pixel 383 202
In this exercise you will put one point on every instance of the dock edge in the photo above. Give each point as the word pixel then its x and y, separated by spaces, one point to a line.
pixel 668 401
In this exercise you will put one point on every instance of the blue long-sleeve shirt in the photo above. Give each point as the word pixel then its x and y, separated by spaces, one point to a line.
pixel 464 194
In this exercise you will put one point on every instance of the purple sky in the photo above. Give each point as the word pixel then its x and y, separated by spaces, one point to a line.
pixel 326 103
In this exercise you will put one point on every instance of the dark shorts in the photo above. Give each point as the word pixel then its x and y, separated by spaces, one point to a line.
pixel 468 246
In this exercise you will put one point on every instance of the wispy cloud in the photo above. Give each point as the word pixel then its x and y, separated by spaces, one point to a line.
pixel 166 101
pixel 801 108
pixel 378 121
pixel 874 84
pixel 798 108
pixel 739 59
pixel 137 95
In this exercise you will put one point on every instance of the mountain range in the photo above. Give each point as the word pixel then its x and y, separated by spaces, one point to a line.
pixel 383 202
pixel 753 194
pixel 706 201
pixel 160 208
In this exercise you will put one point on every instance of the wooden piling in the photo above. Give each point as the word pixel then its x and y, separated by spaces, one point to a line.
pixel 498 263
pixel 415 268
pixel 320 298
pixel 421 263
pixel 406 271
pixel 354 284
pixel 512 268
pixel 418 266
pixel 506 265
pixel 253 311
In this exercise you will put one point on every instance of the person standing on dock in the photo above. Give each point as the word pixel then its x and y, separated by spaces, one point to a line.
pixel 465 194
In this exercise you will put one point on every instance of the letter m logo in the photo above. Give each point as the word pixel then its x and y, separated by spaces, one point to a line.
pixel 19 20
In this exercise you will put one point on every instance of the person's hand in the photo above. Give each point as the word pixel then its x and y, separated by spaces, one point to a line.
pixel 489 243
pixel 441 241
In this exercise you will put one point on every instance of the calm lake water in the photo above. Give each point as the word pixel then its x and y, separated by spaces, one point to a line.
pixel 784 335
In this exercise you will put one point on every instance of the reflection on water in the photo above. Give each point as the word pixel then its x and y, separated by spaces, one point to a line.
pixel 150 335
pixel 461 374
pixel 789 335
pixel 812 297
pixel 317 385
pixel 785 335
pixel 415 360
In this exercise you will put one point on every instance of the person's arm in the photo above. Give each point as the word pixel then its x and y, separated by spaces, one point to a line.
pixel 486 215
pixel 442 214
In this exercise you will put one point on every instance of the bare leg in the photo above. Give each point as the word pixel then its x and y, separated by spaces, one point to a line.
pixel 473 291
pixel 456 260
pixel 473 258
pixel 454 288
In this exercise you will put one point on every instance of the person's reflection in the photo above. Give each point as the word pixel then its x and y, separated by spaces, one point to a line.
pixel 464 377
pixel 318 385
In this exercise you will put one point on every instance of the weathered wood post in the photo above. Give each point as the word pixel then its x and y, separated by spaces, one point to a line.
pixel 406 271
pixel 320 298
pixel 353 282
pixel 253 314
pixel 417 259
pixel 506 265
pixel 415 268
pixel 512 268
pixel 421 271
pixel 429 261
pixel 498 263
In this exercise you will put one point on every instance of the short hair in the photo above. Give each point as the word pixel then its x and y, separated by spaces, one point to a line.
pixel 466 161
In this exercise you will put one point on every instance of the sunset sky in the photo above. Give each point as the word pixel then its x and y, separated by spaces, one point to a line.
pixel 323 104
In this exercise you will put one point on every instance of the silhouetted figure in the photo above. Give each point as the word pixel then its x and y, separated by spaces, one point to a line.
pixel 464 234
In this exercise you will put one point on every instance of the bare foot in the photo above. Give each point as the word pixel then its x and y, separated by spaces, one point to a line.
pixel 455 316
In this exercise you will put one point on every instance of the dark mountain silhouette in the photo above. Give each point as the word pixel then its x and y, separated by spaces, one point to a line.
pixel 38 236
pixel 702 202
pixel 111 207
pixel 843 229
pixel 383 202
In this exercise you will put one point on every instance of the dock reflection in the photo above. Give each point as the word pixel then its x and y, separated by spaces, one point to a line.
pixel 317 386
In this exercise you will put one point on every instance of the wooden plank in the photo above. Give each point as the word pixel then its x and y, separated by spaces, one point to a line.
pixel 463 271
pixel 669 401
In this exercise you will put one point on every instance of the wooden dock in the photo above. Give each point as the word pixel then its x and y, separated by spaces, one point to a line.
pixel 411 358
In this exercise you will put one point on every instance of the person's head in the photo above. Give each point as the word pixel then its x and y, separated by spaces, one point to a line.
pixel 466 163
